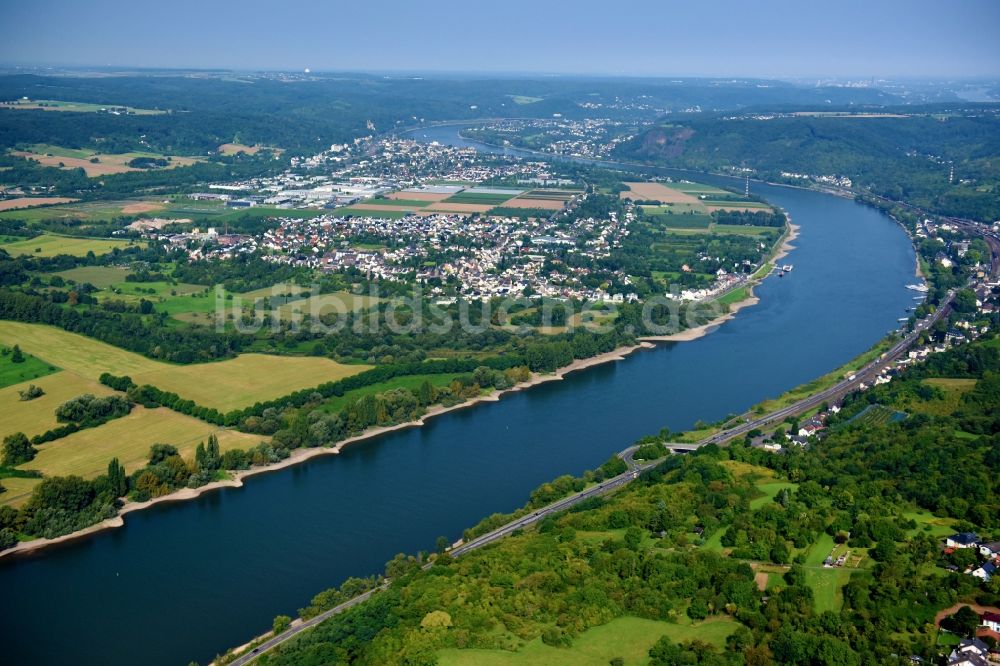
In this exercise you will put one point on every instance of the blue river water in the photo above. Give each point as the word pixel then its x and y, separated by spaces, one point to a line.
pixel 185 581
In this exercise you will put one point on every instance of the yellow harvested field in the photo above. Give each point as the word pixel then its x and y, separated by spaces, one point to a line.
pixel 144 207
pixel 28 202
pixel 49 245
pixel 18 491
pixel 459 208
pixel 246 379
pixel 657 192
pixel 224 385
pixel 33 417
pixel 75 353
pixel 419 196
pixel 106 164
pixel 384 207
pixel 547 204
pixel 88 451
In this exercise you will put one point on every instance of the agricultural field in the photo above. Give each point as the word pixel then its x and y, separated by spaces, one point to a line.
pixel 87 452
pixel 18 490
pixel 76 107
pixel 21 203
pixel 30 368
pixel 94 163
pixel 628 638
pixel 684 197
pixel 33 417
pixel 101 277
pixel 355 211
pixel 224 385
pixel 398 202
pixel 90 211
pixel 487 198
pixel 543 199
pixel 49 245
pixel 320 304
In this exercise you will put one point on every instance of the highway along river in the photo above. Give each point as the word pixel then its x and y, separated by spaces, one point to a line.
pixel 186 581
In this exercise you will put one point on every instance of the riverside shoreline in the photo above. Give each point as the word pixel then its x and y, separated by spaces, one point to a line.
pixel 302 455
pixel 689 334
pixel 299 456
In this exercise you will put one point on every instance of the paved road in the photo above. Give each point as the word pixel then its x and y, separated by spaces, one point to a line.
pixel 634 469
pixel 866 373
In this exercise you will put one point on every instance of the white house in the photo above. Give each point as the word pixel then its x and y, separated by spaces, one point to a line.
pixel 972 652
pixel 990 550
pixel 962 540
pixel 991 621
pixel 985 572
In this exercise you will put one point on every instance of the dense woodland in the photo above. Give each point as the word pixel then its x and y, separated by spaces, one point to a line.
pixel 905 159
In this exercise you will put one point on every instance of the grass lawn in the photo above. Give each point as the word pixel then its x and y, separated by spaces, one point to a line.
pixel 18 491
pixel 714 542
pixel 30 368
pixel 626 637
pixel 88 451
pixel 928 523
pixel 33 417
pixel 332 303
pixel 224 385
pixel 818 551
pixel 49 245
pixel 734 296
pixel 101 277
pixel 827 586
pixel 827 583
pixel 770 490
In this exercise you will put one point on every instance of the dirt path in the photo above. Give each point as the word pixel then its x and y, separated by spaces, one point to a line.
pixel 951 610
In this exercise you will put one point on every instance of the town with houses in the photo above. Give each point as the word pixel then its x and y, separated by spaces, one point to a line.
pixel 454 247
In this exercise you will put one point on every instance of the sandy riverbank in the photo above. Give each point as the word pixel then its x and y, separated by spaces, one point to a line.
pixel 696 332
pixel 301 455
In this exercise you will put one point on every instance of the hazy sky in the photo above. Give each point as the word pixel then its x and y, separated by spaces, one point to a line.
pixel 767 38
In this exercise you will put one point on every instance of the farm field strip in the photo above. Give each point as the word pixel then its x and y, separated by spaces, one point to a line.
pixel 224 385
pixel 129 438
pixel 49 245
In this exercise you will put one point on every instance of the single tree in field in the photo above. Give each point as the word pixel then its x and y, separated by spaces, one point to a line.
pixel 17 449
pixel 17 356
pixel 116 478
pixel 213 458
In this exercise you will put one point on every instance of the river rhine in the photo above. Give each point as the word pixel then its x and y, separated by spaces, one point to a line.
pixel 185 581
